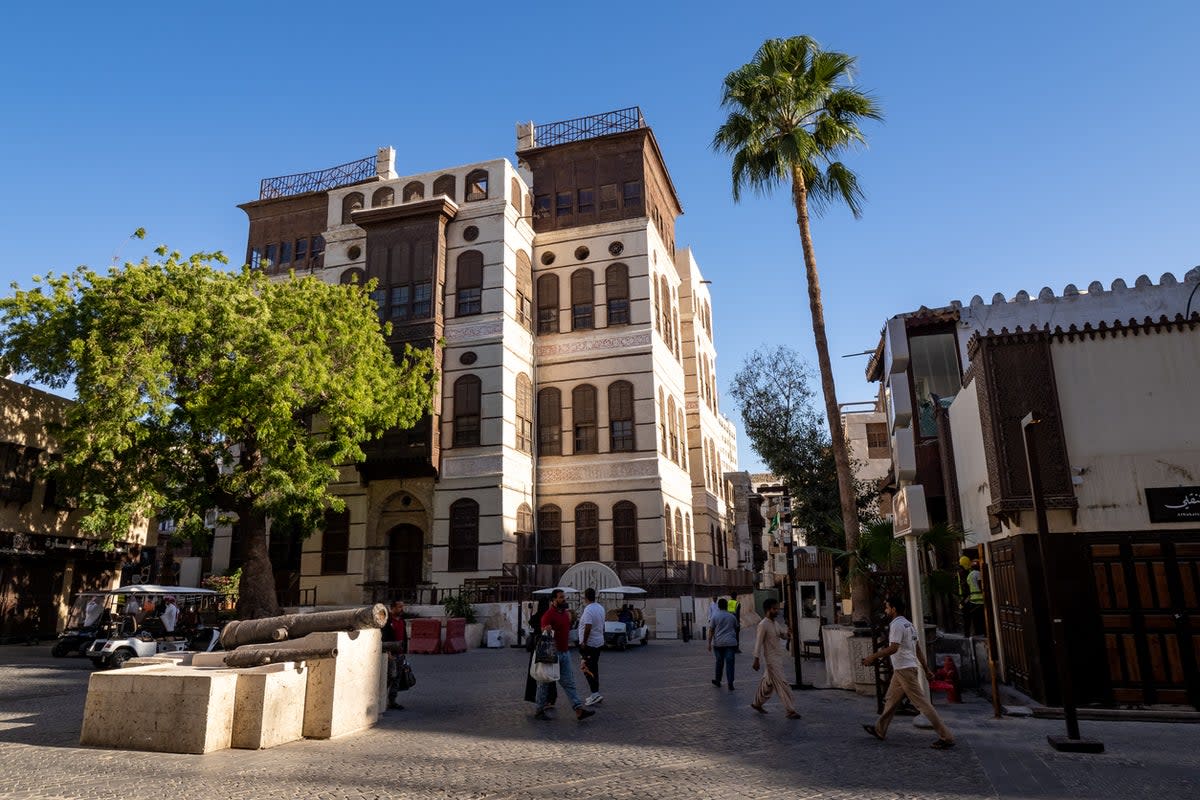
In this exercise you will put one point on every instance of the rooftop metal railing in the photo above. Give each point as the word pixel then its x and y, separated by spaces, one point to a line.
pixel 574 130
pixel 317 181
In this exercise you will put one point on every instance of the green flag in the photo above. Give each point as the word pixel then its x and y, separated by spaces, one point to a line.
pixel 774 524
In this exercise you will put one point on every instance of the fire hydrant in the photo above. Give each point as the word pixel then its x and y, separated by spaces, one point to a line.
pixel 946 680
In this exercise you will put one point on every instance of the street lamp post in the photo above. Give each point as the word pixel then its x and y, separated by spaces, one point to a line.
pixel 793 606
pixel 1073 742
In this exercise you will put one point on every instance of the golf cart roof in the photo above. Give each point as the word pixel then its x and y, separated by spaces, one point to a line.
pixel 622 590
pixel 553 589
pixel 150 588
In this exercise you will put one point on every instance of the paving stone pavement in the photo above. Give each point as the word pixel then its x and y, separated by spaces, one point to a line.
pixel 662 732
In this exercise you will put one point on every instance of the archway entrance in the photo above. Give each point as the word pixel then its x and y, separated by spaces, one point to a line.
pixel 406 556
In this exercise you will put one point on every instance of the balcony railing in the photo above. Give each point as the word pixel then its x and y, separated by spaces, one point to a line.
pixel 318 181
pixel 574 130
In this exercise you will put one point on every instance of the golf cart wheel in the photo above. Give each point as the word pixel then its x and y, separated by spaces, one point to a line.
pixel 60 649
pixel 646 639
pixel 119 657
pixel 622 642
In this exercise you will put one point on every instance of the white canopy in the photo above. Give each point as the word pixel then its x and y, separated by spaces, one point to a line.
pixel 622 590
pixel 547 592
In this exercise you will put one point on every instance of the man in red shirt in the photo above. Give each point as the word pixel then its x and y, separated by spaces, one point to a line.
pixel 557 622
pixel 394 631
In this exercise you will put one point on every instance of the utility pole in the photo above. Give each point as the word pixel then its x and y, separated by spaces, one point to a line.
pixel 1073 742
pixel 793 605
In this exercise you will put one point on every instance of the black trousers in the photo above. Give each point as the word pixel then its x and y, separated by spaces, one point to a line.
pixel 591 658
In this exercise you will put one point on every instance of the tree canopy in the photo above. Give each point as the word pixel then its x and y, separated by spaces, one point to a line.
pixel 774 393
pixel 199 388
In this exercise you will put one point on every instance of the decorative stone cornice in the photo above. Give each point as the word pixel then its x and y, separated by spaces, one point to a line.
pixel 1102 330
pixel 593 344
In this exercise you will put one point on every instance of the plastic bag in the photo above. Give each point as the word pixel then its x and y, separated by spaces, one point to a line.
pixel 544 673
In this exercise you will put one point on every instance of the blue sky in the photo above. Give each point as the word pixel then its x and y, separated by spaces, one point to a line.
pixel 1026 144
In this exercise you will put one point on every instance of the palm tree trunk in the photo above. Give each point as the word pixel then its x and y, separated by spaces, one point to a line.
pixel 841 455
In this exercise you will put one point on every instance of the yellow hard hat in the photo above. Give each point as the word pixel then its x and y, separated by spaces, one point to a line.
pixel 964 562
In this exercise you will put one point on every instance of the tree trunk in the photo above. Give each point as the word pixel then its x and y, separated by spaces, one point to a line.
pixel 256 594
pixel 841 455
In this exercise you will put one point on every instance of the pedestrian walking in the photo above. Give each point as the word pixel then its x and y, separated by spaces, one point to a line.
pixel 906 657
pixel 722 638
pixel 394 631
pixel 556 622
pixel 591 640
pixel 531 686
pixel 768 651
pixel 735 608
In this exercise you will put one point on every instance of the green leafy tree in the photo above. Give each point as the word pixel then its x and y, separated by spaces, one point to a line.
pixel 200 388
pixel 773 391
pixel 792 114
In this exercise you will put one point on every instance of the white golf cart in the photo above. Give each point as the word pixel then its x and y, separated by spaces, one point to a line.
pixel 137 628
pixel 624 623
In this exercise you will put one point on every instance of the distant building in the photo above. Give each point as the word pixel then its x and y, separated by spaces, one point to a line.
pixel 1111 375
pixel 44 557
pixel 576 418
pixel 870 449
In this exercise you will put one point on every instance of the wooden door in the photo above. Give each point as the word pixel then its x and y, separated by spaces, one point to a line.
pixel 1146 589
pixel 406 556
pixel 1012 614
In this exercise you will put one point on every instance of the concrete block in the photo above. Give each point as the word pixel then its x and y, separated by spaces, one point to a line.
pixel 347 693
pixel 216 659
pixel 160 708
pixel 269 709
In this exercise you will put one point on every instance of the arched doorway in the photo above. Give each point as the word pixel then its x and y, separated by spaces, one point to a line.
pixel 406 556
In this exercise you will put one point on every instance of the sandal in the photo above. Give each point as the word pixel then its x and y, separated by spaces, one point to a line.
pixel 942 744
pixel 871 730
pixel 758 708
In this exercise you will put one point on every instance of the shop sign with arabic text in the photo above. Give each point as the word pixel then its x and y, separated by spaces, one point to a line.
pixel 1174 504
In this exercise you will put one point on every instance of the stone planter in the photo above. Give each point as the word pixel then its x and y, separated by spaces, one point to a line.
pixel 474 635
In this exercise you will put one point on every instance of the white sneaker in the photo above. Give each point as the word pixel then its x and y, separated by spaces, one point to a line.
pixel 593 699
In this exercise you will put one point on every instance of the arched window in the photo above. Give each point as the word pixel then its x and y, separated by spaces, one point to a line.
pixel 469 283
pixel 525 534
pixel 616 286
pixel 444 185
pixel 549 535
pixel 351 203
pixel 666 312
pixel 414 190
pixel 549 421
pixel 683 439
pixel 383 197
pixel 587 532
pixel 680 537
pixel 524 413
pixel 673 430
pixel 678 333
pixel 620 417
pixel 582 300
pixel 515 192
pixel 353 275
pixel 547 302
pixel 335 542
pixel 662 422
pixel 657 306
pixel 583 417
pixel 668 537
pixel 524 291
pixel 625 543
pixel 466 411
pixel 464 536
pixel 477 185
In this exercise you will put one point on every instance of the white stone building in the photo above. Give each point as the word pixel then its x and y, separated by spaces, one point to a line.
pixel 576 417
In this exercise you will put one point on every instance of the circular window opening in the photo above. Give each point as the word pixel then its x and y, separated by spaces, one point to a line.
pixel 468 358
pixel 354 252
pixel 616 248
pixel 547 258
pixel 470 233
pixel 581 253
pixel 406 501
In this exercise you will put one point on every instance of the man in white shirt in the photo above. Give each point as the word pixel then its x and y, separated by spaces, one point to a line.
pixel 170 614
pixel 591 640
pixel 905 650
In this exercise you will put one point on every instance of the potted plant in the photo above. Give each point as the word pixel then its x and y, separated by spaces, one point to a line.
pixel 459 605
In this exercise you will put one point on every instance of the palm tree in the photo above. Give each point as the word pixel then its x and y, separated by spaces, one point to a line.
pixel 792 113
